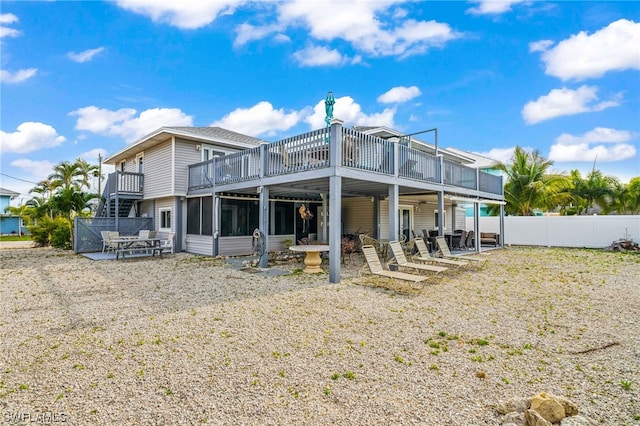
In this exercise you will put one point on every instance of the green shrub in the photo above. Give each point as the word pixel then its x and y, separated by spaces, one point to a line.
pixel 55 232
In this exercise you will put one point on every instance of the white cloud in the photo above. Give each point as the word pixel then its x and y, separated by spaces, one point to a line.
pixel 585 152
pixel 260 119
pixel 319 56
pixel 361 24
pixel 492 7
pixel 503 155
pixel 601 143
pixel 540 46
pixel 564 101
pixel 18 76
pixel 182 14
pixel 30 136
pixel 91 156
pixel 84 56
pixel 597 135
pixel 8 18
pixel 123 122
pixel 247 32
pixel 348 110
pixel 583 56
pixel 399 94
pixel 38 170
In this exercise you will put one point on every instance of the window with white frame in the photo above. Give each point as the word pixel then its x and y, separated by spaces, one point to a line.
pixel 436 216
pixel 122 165
pixel 209 151
pixel 165 219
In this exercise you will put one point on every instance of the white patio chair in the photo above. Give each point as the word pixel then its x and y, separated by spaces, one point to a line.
pixel 168 243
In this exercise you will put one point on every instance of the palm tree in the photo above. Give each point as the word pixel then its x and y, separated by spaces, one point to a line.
pixel 87 171
pixel 530 186
pixel 46 188
pixel 68 174
pixel 623 199
pixel 597 188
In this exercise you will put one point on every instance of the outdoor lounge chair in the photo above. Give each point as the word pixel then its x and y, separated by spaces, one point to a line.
pixel 424 256
pixel 401 260
pixel 376 268
pixel 443 250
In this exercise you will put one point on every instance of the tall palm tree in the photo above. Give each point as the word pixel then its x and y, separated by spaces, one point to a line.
pixel 597 189
pixel 46 188
pixel 531 186
pixel 68 174
pixel 623 199
pixel 87 171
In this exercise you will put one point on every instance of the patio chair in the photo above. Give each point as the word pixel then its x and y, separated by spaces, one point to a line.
pixel 469 241
pixel 376 268
pixel 462 244
pixel 143 234
pixel 424 256
pixel 106 242
pixel 444 252
pixel 168 243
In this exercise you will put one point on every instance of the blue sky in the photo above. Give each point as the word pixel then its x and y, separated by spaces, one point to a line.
pixel 80 78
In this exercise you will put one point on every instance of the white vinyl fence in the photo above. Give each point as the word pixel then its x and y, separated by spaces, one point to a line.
pixel 563 231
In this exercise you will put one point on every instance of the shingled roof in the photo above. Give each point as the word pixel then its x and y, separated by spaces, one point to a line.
pixel 217 133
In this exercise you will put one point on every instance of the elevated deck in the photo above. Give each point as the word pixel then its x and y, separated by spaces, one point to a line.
pixel 302 163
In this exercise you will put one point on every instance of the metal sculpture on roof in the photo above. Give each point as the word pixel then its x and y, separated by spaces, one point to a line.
pixel 328 106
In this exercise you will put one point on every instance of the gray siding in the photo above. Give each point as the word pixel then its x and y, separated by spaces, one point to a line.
pixel 358 215
pixel 199 244
pixel 185 154
pixel 157 171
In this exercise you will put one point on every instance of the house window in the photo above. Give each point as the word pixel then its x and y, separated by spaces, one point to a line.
pixel 199 216
pixel 122 165
pixel 165 219
pixel 436 217
pixel 208 152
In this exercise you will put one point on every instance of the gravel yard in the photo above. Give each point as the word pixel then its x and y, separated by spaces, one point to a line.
pixel 190 340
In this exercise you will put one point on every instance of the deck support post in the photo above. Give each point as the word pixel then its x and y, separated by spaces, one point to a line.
pixel 394 216
pixel 335 201
pixel 440 223
pixel 263 219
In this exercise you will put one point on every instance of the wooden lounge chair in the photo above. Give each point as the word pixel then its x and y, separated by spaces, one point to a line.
pixel 376 268
pixel 424 256
pixel 401 260
pixel 443 250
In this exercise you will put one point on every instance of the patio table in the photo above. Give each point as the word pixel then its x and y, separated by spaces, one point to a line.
pixel 130 244
pixel 312 258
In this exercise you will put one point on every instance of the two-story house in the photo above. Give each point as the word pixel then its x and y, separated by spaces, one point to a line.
pixel 214 188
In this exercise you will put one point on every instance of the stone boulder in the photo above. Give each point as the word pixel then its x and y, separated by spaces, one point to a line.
pixel 548 407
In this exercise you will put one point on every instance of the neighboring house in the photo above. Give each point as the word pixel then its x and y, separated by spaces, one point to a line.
pixel 9 224
pixel 213 187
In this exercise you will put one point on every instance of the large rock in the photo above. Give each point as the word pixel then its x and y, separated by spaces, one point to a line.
pixel 548 407
pixel 513 404
pixel 570 409
pixel 533 418
pixel 514 418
